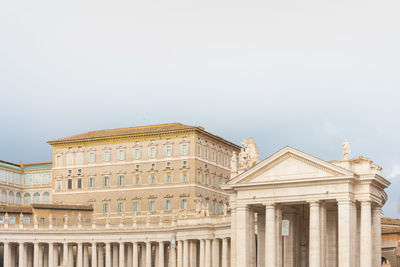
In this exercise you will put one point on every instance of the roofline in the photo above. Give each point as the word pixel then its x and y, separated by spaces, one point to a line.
pixel 197 129
pixel 10 163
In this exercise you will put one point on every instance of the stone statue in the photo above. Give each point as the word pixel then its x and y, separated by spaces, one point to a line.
pixel 225 209
pixel 21 218
pixel 108 218
pixel 35 220
pixel 249 155
pixel 79 218
pixel 346 150
pixel 122 220
pixel 65 219
pixel 234 162
pixel 6 218
pixel 198 206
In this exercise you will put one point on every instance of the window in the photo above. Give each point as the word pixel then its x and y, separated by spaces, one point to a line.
pixel 58 184
pixel 184 149
pixel 137 179
pixel 79 158
pixel 105 208
pixel 12 220
pixel 106 181
pixel 167 204
pixel 27 199
pixel 11 197
pixel 206 179
pixel 226 161
pixel 18 198
pixel 184 176
pixel 153 166
pixel 106 155
pixel 152 152
pixel 70 159
pixel 121 180
pixel 87 221
pixel 168 165
pixel 79 183
pixel 152 205
pixel 206 153
pixel 37 178
pixel 42 220
pixel 183 203
pixel 184 164
pixel 137 167
pixel 168 151
pixel 135 206
pixel 69 172
pixel 215 207
pixel 91 182
pixel 69 183
pixel 58 160
pixel 219 158
pixel 152 178
pixel 4 196
pixel 121 154
pixel 214 181
pixel 199 178
pixel 28 179
pixel 213 155
pixel 168 178
pixel 36 198
pixel 79 172
pixel 91 157
pixel 137 153
pixel 121 207
pixel 46 178
pixel 199 150
pixel 46 198
pixel 27 220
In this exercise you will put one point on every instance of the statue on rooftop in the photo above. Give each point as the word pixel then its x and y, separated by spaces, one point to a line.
pixel 234 162
pixel 346 150
pixel 248 156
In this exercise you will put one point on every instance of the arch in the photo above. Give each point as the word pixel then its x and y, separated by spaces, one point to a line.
pixel 11 197
pixel 46 197
pixel 27 199
pixel 4 196
pixel 36 198
pixel 18 198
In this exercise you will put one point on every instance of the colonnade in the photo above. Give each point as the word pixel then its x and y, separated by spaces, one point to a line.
pixel 344 233
pixel 182 253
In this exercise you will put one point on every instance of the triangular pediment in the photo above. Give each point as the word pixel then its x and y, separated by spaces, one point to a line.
pixel 290 164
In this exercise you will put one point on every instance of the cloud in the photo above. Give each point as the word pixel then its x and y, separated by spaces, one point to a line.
pixel 395 172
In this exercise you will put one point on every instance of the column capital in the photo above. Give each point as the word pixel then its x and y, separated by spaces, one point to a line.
pixel 270 205
pixel 366 202
pixel 314 203
pixel 344 201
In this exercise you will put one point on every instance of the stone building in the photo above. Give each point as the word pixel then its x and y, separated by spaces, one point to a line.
pixel 178 196
pixel 391 242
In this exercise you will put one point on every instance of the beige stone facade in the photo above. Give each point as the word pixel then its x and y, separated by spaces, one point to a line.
pixel 175 195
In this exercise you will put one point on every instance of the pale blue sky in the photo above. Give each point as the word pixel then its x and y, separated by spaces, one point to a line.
pixel 302 73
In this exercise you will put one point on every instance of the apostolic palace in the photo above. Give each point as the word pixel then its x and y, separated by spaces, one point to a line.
pixel 173 195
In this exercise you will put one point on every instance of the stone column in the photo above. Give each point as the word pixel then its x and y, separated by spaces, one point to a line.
pixel 208 253
pixel 186 253
pixel 242 237
pixel 365 235
pixel 114 255
pixel 94 254
pixel 376 233
pixel 233 253
pixel 6 253
pixel 172 256
pixel 45 257
pixel 121 254
pixel 56 255
pixel 345 235
pixel 215 252
pixel 41 255
pixel 202 256
pixel 71 256
pixel 35 254
pixel 100 261
pixel 51 255
pixel 21 255
pixel 65 254
pixel 86 255
pixel 142 259
pixel 252 238
pixel 225 252
pixel 148 254
pixel 128 250
pixel 315 235
pixel 260 240
pixel 79 258
pixel 270 235
pixel 322 216
pixel 180 252
pixel 135 253
pixel 160 254
pixel 108 254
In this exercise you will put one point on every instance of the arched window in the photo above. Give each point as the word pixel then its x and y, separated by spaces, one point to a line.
pixel 11 197
pixel 18 198
pixel 27 199
pixel 46 198
pixel 4 196
pixel 36 198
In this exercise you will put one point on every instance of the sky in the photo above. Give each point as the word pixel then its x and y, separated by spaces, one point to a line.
pixel 302 73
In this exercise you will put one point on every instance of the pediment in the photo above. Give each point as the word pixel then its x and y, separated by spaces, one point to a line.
pixel 290 164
